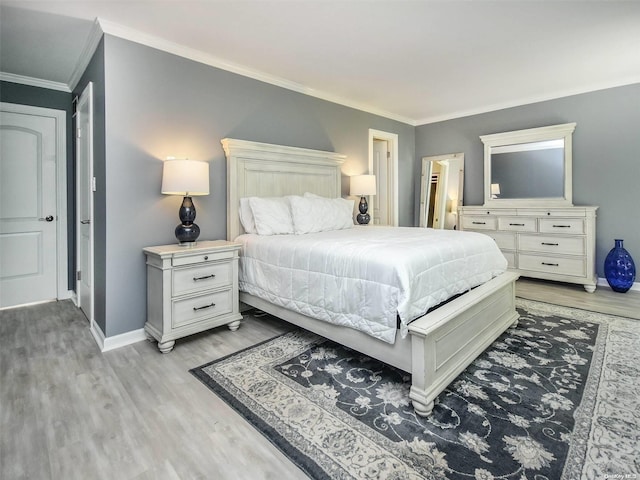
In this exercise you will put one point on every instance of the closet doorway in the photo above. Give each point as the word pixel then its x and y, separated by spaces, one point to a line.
pixel 383 163
pixel 85 188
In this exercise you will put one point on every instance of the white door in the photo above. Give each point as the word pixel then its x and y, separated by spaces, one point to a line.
pixel 383 163
pixel 28 208
pixel 381 168
pixel 85 184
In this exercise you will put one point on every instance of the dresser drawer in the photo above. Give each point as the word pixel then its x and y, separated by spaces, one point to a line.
pixel 568 226
pixel 517 224
pixel 511 259
pixel 558 265
pixel 556 212
pixel 186 311
pixel 477 222
pixel 202 277
pixel 504 240
pixel 552 244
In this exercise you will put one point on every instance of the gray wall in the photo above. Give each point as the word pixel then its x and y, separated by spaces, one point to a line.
pixel 606 155
pixel 55 99
pixel 158 105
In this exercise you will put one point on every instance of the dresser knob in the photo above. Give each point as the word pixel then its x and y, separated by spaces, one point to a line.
pixel 206 257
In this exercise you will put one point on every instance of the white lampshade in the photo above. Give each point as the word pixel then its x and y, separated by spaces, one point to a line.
pixel 362 185
pixel 495 189
pixel 185 177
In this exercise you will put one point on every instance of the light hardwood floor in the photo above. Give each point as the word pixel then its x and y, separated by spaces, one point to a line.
pixel 603 300
pixel 68 411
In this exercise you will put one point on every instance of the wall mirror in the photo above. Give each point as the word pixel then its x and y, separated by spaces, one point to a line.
pixel 529 167
pixel 441 188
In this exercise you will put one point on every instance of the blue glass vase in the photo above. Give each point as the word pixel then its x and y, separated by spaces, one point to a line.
pixel 619 268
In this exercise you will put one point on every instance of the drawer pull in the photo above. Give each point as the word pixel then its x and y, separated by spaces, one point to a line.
pixel 562 226
pixel 195 309
pixel 551 264
pixel 551 244
pixel 195 279
pixel 479 223
pixel 517 224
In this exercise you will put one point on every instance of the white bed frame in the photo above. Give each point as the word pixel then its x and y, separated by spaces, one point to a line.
pixel 440 344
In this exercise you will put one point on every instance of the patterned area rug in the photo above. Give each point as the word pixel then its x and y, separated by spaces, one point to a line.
pixel 557 397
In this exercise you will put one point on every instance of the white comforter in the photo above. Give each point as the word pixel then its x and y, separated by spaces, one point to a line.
pixel 365 277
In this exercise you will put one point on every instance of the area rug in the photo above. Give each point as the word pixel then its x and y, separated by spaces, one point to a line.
pixel 556 397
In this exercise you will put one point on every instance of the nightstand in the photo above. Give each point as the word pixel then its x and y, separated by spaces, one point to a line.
pixel 191 289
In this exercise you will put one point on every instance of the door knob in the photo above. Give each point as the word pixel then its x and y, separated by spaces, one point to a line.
pixel 46 219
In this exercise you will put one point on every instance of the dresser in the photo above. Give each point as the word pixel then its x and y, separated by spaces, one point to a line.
pixel 191 289
pixel 553 243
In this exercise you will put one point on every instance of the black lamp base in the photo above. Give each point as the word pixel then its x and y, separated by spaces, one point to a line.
pixel 363 217
pixel 187 232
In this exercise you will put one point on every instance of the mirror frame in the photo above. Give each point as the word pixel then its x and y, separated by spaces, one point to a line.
pixel 541 134
pixel 427 162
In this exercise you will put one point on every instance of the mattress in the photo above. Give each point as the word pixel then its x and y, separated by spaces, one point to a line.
pixel 367 277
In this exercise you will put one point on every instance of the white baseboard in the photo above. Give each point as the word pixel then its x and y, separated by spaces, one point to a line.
pixel 602 282
pixel 117 341
pixel 98 335
pixel 72 296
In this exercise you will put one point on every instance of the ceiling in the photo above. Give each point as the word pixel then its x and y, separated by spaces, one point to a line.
pixel 415 61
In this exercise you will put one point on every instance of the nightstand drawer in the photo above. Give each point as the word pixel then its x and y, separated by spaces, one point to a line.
pixel 517 224
pixel 562 225
pixel 557 265
pixel 478 223
pixel 180 260
pixel 200 278
pixel 552 244
pixel 194 309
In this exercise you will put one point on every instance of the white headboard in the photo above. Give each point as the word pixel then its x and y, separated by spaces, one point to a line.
pixel 266 170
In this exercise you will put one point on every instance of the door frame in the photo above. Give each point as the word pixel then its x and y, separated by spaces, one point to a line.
pixel 392 169
pixel 86 95
pixel 62 258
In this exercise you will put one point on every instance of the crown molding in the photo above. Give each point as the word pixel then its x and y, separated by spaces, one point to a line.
pixel 528 100
pixel 132 35
pixel 90 46
pixel 34 82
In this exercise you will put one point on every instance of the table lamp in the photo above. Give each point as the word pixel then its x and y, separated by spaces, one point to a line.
pixel 188 178
pixel 361 186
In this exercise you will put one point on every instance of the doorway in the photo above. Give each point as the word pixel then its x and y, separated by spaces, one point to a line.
pixel 383 163
pixel 33 205
pixel 84 202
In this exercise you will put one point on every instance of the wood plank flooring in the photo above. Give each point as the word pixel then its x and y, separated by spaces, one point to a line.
pixel 69 411
pixel 603 300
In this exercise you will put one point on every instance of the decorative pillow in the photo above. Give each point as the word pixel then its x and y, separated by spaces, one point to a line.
pixel 246 216
pixel 313 214
pixel 272 216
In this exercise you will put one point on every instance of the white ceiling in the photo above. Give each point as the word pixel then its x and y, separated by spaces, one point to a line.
pixel 416 61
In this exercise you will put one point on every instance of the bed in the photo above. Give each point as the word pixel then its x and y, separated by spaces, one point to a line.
pixel 439 344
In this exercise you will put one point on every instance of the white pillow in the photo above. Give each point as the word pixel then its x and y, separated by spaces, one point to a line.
pixel 272 216
pixel 246 216
pixel 312 213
